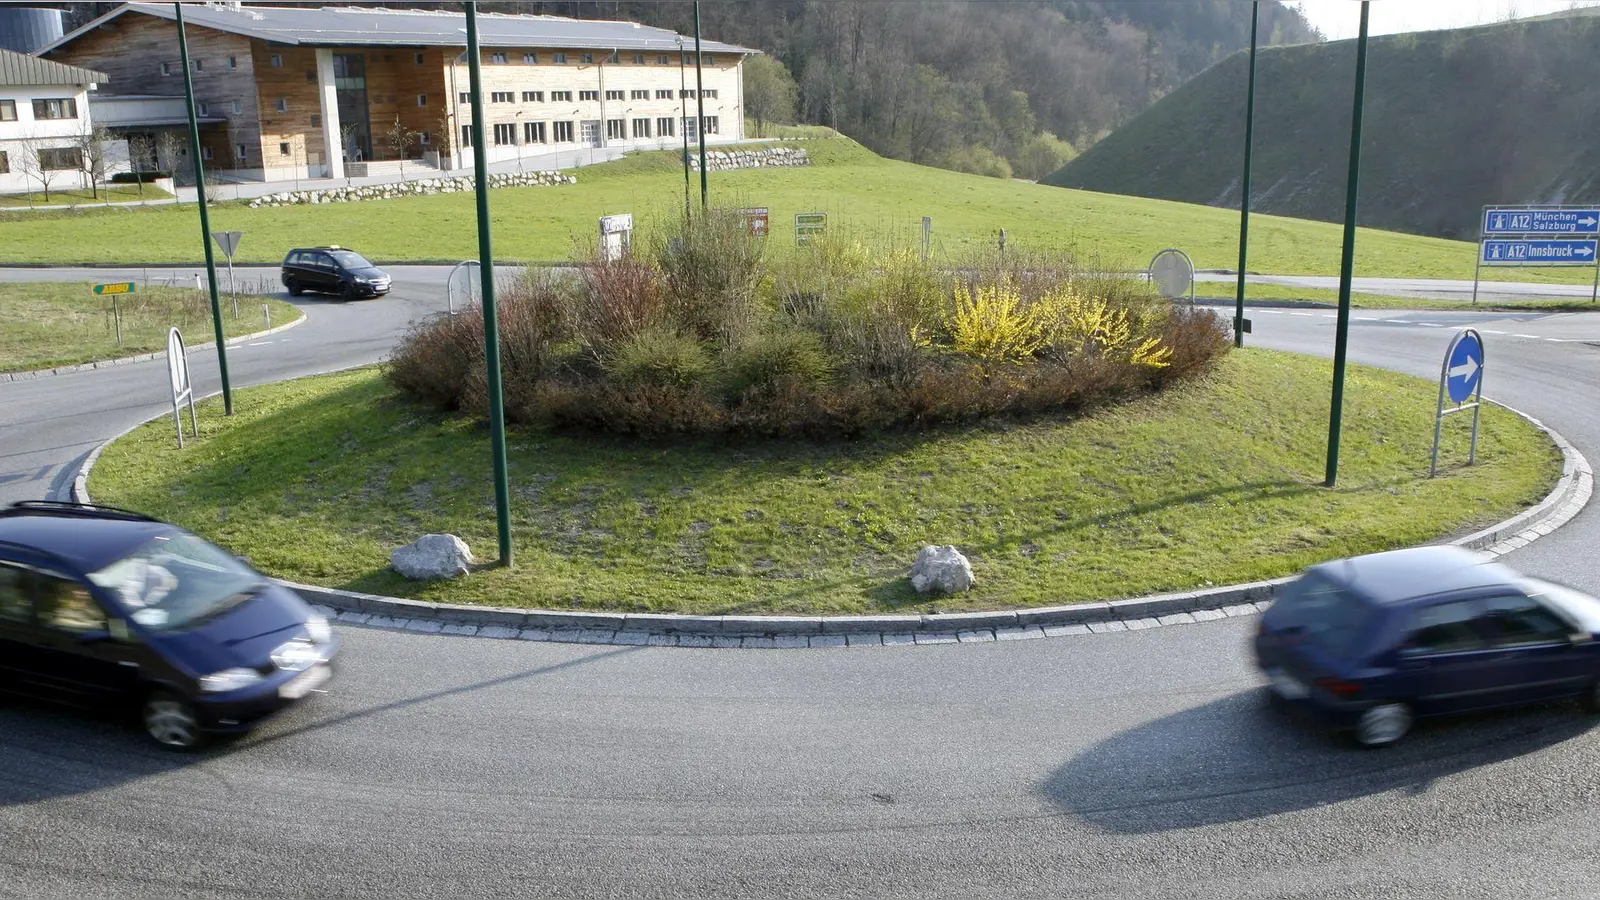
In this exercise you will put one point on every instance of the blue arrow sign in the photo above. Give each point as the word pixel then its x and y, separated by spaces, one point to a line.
pixel 1541 252
pixel 1499 220
pixel 1464 369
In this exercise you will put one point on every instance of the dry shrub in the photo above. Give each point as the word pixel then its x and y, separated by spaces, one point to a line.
pixel 711 266
pixel 1198 339
pixel 618 298
pixel 438 357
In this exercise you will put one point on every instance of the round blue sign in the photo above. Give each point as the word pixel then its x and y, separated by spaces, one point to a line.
pixel 1464 370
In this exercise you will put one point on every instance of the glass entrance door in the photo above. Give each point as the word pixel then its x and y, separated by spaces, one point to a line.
pixel 350 89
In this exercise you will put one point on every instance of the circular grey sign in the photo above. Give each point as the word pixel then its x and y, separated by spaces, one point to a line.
pixel 1173 274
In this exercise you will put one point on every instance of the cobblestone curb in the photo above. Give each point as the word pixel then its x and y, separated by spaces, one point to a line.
pixel 1571 492
pixel 143 357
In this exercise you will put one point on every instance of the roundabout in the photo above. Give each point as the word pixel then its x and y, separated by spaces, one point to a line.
pixel 1138 763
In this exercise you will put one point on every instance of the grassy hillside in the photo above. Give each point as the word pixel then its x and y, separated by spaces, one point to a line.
pixel 867 197
pixel 1454 120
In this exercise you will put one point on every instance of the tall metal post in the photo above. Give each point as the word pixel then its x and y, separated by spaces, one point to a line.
pixel 1347 262
pixel 683 123
pixel 1244 195
pixel 700 108
pixel 491 319
pixel 205 218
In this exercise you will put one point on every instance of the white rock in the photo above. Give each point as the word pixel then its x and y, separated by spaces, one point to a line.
pixel 432 557
pixel 941 570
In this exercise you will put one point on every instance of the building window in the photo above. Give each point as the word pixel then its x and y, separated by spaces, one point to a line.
pixel 588 95
pixel 166 68
pixel 205 153
pixel 563 132
pixel 533 133
pixel 498 59
pixel 616 129
pixel 233 62
pixel 421 57
pixel 640 95
pixel 709 59
pixel 614 58
pixel 616 95
pixel 466 97
pixel 283 104
pixel 530 58
pixel 316 121
pixel 8 110
pixel 561 59
pixel 663 95
pixel 311 76
pixel 641 128
pixel 664 127
pixel 5 163
pixel 638 59
pixel 505 133
pixel 561 96
pixel 690 133
pixel 709 93
pixel 202 108
pixel 502 97
pixel 66 108
pixel 236 106
pixel 586 58
pixel 422 99
pixel 533 96
pixel 466 135
pixel 283 148
pixel 198 64
pixel 687 95
pixel 710 123
pixel 59 159
pixel 664 60
pixel 423 138
pixel 275 61
pixel 239 151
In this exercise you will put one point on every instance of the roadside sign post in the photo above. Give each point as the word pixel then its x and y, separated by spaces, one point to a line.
pixel 808 226
pixel 1172 272
pixel 927 237
pixel 1240 326
pixel 464 279
pixel 229 242
pixel 616 236
pixel 1347 260
pixel 182 388
pixel 1460 379
pixel 1549 235
pixel 758 219
pixel 114 291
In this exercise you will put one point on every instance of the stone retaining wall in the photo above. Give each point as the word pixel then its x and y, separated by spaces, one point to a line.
pixel 751 159
pixel 411 188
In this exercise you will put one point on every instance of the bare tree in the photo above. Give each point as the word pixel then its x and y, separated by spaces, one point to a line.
pixel 400 142
pixel 36 165
pixel 141 158
pixel 169 153
pixel 93 151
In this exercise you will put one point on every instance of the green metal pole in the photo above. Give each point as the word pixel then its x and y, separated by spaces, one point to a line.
pixel 205 218
pixel 1347 263
pixel 1244 195
pixel 700 108
pixel 683 124
pixel 491 319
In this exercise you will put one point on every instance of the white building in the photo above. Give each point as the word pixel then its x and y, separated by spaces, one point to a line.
pixel 44 109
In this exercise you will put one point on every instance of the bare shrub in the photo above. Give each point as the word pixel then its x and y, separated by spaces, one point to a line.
pixel 712 266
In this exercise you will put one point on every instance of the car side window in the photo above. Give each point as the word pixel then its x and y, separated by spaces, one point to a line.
pixel 1516 621
pixel 1443 628
pixel 324 262
pixel 297 259
pixel 67 605
pixel 14 605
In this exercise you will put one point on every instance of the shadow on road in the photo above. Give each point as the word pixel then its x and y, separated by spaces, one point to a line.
pixel 1241 758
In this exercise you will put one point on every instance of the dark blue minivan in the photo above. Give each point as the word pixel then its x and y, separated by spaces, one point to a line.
pixel 1371 644
pixel 101 607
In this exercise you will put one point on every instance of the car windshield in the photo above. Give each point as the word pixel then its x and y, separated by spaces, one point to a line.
pixel 176 581
pixel 1330 618
pixel 350 259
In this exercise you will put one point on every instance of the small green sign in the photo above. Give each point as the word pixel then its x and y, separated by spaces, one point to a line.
pixel 123 287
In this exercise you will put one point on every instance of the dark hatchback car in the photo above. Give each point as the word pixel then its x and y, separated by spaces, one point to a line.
pixel 103 608
pixel 333 270
pixel 1373 643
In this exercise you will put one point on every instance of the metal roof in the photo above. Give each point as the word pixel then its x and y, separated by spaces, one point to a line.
pixel 351 26
pixel 17 69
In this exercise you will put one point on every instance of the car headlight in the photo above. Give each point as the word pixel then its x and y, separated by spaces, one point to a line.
pixel 317 629
pixel 229 680
pixel 296 656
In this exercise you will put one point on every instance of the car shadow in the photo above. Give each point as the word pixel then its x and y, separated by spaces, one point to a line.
pixel 1246 757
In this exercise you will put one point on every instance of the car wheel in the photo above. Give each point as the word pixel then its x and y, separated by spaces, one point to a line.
pixel 171 721
pixel 1591 700
pixel 294 287
pixel 347 292
pixel 1383 724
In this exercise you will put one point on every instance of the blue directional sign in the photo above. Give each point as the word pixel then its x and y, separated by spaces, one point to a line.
pixel 1464 369
pixel 1554 220
pixel 1541 252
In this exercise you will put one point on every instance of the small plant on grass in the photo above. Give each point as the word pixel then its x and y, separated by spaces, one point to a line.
pixel 992 325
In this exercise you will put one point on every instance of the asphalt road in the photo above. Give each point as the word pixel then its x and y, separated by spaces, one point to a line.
pixel 1138 764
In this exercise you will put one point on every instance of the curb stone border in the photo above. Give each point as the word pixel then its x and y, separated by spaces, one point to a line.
pixel 143 357
pixel 1571 493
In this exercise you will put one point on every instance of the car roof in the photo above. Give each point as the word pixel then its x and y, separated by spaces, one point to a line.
pixel 1399 576
pixel 85 541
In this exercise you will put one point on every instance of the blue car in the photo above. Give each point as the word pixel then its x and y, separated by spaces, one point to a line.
pixel 101 607
pixel 1373 643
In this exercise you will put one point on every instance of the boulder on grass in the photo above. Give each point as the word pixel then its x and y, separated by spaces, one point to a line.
pixel 432 557
pixel 941 570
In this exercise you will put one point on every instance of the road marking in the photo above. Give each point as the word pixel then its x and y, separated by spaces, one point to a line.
pixel 1307 315
pixel 1491 331
pixel 258 344
pixel 1427 324
pixel 1330 316
pixel 1534 336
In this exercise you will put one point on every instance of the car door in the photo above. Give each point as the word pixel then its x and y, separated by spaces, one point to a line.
pixel 327 273
pixel 1534 656
pixel 18 656
pixel 80 663
pixel 1444 664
